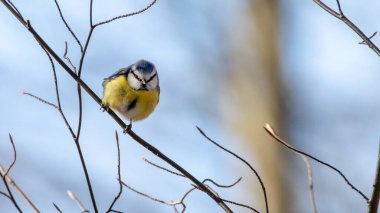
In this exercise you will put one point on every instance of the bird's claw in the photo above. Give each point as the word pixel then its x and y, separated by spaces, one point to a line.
pixel 128 128
pixel 104 107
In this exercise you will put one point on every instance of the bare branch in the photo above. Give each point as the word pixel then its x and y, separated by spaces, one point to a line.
pixel 339 8
pixel 68 59
pixel 373 35
pixel 126 15
pixel 181 202
pixel 349 23
pixel 163 168
pixel 91 25
pixel 309 171
pixel 39 99
pixel 15 8
pixel 3 193
pixel 223 186
pixel 79 203
pixel 116 211
pixel 17 188
pixel 310 181
pixel 271 132
pixel 56 207
pixel 242 205
pixel 118 173
pixel 244 161
pixel 375 197
pixel 68 27
pixel 73 135
pixel 4 176
pixel 59 108
pixel 14 155
pixel 148 196
pixel 10 194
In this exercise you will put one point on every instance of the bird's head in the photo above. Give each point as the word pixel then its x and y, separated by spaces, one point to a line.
pixel 143 76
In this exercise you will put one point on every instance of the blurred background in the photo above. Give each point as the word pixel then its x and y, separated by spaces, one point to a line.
pixel 225 66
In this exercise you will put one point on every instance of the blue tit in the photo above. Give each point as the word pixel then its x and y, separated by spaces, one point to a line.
pixel 132 92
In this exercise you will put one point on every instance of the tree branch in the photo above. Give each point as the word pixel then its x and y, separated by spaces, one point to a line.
pixel 245 162
pixel 77 201
pixel 118 174
pixel 339 15
pixel 271 132
pixel 126 15
pixel 74 136
pixel 67 26
pixel 56 207
pixel 268 128
pixel 6 177
pixel 375 197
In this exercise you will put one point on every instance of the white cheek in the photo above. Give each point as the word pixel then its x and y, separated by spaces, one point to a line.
pixel 134 83
pixel 152 84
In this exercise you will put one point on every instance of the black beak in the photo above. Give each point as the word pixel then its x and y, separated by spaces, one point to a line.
pixel 143 87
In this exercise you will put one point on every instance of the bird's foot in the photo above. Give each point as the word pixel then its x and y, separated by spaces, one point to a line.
pixel 104 107
pixel 128 128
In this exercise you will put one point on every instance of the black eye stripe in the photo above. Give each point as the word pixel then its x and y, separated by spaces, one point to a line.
pixel 134 74
pixel 151 78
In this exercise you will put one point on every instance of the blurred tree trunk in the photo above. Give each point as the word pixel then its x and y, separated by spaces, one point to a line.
pixel 252 94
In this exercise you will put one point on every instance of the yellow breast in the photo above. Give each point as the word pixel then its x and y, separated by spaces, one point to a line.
pixel 131 104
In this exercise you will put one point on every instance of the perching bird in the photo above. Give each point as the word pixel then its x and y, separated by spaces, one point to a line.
pixel 132 92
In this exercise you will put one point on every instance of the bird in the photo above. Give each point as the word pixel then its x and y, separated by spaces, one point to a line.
pixel 132 92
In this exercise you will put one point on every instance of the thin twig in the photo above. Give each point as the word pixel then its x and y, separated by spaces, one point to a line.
pixel 126 15
pixel 67 26
pixel 310 181
pixel 74 136
pixel 271 132
pixel 244 161
pixel 163 168
pixel 375 197
pixel 91 25
pixel 349 23
pixel 373 35
pixel 79 89
pixel 10 194
pixel 85 50
pixel 118 173
pixel 239 204
pixel 117 119
pixel 56 207
pixel 14 155
pixel 77 201
pixel 3 193
pixel 68 59
pixel 80 113
pixel 309 171
pixel 223 186
pixel 15 8
pixel 4 176
pixel 116 211
pixel 339 8
pixel 39 99
pixel 148 196
pixel 58 106
pixel 182 200
pixel 18 189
